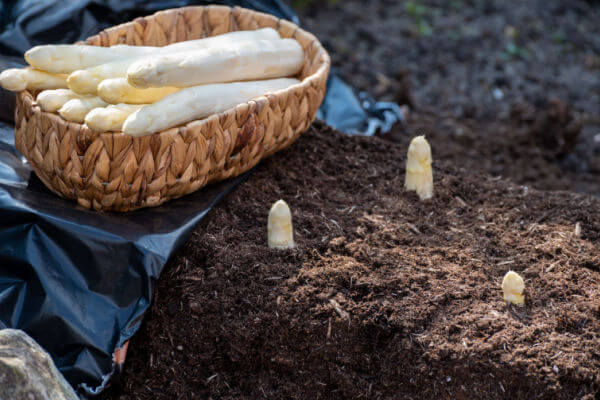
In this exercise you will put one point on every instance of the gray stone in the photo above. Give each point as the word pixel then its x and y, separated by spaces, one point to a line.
pixel 27 372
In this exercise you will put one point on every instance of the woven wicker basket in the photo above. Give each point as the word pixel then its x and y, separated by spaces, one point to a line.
pixel 107 171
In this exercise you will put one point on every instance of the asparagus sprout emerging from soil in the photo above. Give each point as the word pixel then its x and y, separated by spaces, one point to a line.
pixel 419 175
pixel 513 287
pixel 279 227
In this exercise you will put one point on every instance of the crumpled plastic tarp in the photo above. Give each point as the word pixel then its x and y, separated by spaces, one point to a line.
pixel 78 281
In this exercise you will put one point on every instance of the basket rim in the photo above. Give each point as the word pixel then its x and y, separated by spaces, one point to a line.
pixel 26 96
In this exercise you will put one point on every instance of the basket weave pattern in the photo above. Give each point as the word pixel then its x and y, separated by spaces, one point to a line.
pixel 117 172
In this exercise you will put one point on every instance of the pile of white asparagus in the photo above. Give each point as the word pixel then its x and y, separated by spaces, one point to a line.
pixel 140 90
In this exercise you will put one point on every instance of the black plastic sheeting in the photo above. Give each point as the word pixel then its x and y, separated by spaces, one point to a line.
pixel 78 281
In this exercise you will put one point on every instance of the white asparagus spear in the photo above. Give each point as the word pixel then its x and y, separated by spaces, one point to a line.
pixel 75 110
pixel 85 81
pixel 118 90
pixel 110 118
pixel 419 175
pixel 225 39
pixel 259 59
pixel 53 99
pixel 66 58
pixel 198 102
pixel 17 79
pixel 513 288
pixel 280 231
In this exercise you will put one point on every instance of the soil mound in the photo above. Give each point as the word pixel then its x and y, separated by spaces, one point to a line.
pixel 385 296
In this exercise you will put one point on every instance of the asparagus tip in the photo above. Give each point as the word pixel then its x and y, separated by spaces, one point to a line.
pixel 279 227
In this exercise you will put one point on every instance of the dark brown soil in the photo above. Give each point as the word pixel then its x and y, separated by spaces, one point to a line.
pixel 530 148
pixel 485 76
pixel 385 296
